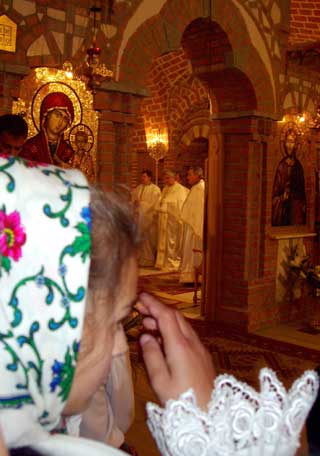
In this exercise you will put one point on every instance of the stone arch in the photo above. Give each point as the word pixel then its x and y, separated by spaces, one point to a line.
pixel 187 106
pixel 192 125
pixel 164 32
pixel 211 56
pixel 195 132
pixel 188 89
pixel 300 96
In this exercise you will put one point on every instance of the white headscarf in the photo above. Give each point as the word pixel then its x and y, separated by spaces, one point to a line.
pixel 44 263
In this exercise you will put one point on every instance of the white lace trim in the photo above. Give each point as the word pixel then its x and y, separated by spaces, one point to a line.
pixel 239 421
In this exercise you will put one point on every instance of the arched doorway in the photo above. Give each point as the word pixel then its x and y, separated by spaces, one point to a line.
pixel 243 100
pixel 233 249
pixel 194 154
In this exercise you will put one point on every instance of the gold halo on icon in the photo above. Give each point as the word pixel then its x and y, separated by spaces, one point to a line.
pixel 85 130
pixel 50 87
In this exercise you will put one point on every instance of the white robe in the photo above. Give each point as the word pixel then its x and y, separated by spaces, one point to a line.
pixel 170 226
pixel 192 216
pixel 147 198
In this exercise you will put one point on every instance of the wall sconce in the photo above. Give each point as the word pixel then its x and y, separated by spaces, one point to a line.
pixel 157 149
pixel 315 120
pixel 300 117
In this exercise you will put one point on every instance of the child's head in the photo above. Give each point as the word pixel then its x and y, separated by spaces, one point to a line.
pixel 112 291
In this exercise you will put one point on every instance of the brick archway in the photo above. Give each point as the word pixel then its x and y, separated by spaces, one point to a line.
pixel 225 58
pixel 195 132
pixel 209 50
pixel 164 31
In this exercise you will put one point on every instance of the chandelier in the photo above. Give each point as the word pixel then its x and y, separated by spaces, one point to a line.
pixel 92 71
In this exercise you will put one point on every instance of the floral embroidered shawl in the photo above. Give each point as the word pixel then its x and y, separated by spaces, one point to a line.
pixel 44 262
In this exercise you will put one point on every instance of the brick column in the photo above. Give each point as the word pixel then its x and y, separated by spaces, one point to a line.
pixel 116 160
pixel 105 152
pixel 10 77
pixel 236 210
pixel 122 154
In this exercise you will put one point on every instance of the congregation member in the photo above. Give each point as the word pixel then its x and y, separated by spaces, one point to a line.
pixel 172 199
pixel 192 216
pixel 13 134
pixel 47 374
pixel 54 357
pixel 146 196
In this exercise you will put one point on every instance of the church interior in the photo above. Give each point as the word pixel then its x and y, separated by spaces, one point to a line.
pixel 229 86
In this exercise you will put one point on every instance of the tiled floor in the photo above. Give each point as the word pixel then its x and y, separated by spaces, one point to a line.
pixel 294 333
pixel 229 356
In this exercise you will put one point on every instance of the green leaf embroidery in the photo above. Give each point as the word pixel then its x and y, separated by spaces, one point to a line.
pixel 82 245
pixel 5 263
pixel 83 228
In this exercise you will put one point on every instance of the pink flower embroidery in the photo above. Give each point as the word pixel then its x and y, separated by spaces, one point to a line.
pixel 34 164
pixel 12 235
pixel 4 155
pixel 31 164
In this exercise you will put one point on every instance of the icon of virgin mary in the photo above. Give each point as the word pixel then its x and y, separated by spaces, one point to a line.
pixel 49 145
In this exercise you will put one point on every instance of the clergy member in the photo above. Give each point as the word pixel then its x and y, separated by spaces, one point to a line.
pixel 169 223
pixel 192 216
pixel 146 196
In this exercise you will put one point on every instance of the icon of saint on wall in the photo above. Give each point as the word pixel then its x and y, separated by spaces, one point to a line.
pixel 288 194
pixel 49 145
pixel 82 140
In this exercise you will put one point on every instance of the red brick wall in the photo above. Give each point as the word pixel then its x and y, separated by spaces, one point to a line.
pixel 231 45
pixel 193 155
pixel 234 288
pixel 9 90
pixel 305 21
pixel 117 115
pixel 177 102
pixel 205 43
pixel 249 248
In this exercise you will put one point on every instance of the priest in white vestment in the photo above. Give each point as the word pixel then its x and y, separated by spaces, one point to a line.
pixel 192 216
pixel 147 196
pixel 169 223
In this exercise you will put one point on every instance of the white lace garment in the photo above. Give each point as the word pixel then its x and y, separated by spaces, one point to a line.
pixel 239 421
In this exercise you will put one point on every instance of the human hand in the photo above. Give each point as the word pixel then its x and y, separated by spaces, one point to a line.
pixel 177 360
pixel 3 448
